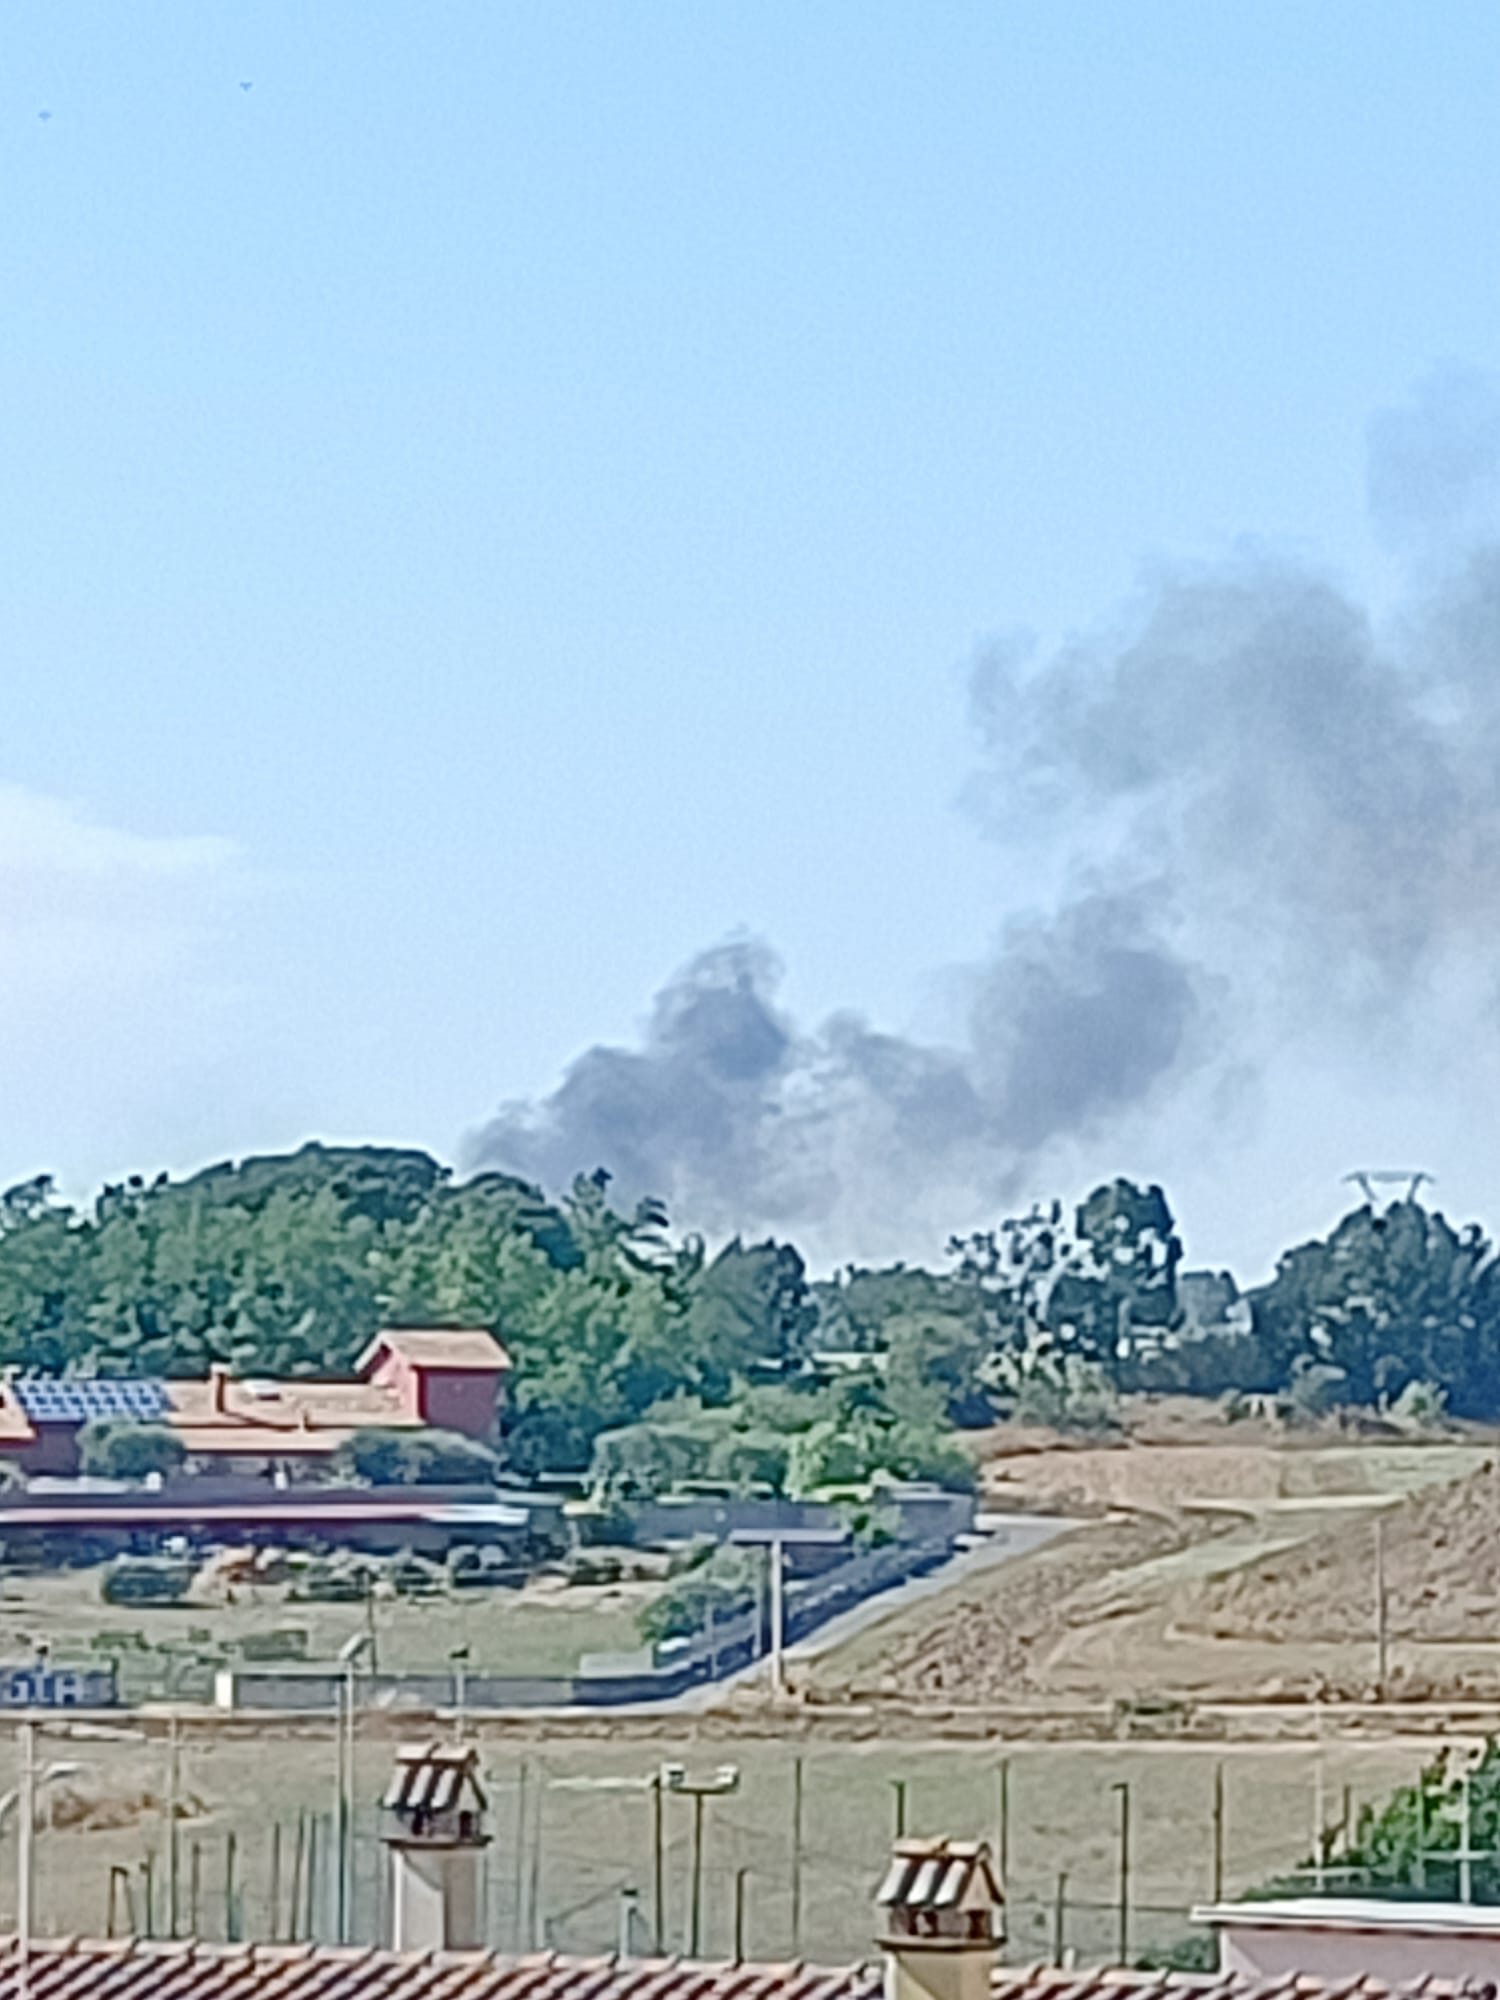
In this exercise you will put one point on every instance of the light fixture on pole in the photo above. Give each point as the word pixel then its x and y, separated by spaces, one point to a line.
pixel 458 1659
pixel 715 1786
pixel 24 1795
pixel 776 1541
pixel 350 1655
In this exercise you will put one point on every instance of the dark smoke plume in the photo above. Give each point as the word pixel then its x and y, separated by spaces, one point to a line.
pixel 1267 814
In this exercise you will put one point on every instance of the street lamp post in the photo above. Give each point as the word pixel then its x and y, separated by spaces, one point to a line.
pixel 350 1654
pixel 458 1659
pixel 24 1795
pixel 719 1783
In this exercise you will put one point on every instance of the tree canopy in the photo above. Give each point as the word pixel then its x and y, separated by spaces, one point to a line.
pixel 287 1264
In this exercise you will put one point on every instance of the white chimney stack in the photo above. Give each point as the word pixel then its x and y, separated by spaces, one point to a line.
pixel 944 1917
pixel 436 1839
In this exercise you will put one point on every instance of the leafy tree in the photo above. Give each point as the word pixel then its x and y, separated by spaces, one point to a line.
pixel 1065 1391
pixel 1094 1283
pixel 1120 1276
pixel 643 1461
pixel 43 1278
pixel 1390 1297
pixel 1403 1848
pixel 750 1308
pixel 934 1369
pixel 119 1450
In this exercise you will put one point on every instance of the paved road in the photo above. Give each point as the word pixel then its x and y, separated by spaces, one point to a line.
pixel 1005 1536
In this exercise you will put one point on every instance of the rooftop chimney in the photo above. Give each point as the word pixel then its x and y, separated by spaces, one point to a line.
pixel 943 1911
pixel 435 1835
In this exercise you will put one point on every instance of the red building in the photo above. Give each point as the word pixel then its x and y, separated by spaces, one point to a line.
pixel 451 1378
pixel 445 1378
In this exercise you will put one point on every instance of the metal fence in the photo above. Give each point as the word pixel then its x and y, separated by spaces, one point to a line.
pixel 786 1864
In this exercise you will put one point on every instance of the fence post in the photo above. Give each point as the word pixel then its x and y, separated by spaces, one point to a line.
pixel 1060 1918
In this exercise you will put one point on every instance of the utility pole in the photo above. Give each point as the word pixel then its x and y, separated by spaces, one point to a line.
pixel 726 1779
pixel 898 1786
pixel 658 1866
pixel 459 1660
pixel 796 1857
pixel 1060 1918
pixel 174 1786
pixel 1218 1895
pixel 1320 1835
pixel 695 1933
pixel 1122 1791
pixel 1381 1616
pixel 778 1614
pixel 27 1807
pixel 344 1710
pixel 518 1944
pixel 1002 1821
pixel 741 1877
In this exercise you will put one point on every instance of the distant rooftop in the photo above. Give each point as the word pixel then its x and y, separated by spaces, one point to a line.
pixel 1421 1917
pixel 438 1347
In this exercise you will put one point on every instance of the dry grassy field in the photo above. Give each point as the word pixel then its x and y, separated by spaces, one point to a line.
pixel 573 1827
pixel 1205 1568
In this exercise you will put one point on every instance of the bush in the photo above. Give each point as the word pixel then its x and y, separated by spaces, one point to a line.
pixel 640 1461
pixel 1421 1407
pixel 1197 1951
pixel 750 1459
pixel 915 1451
pixel 723 1587
pixel 1313 1391
pixel 417 1458
pixel 1062 1391
pixel 122 1450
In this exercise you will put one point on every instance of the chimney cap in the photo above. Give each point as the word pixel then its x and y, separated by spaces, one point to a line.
pixel 941 1875
pixel 433 1778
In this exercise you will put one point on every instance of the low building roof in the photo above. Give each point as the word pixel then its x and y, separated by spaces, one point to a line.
pixel 462 1347
pixel 15 1426
pixel 297 1415
pixel 1422 1917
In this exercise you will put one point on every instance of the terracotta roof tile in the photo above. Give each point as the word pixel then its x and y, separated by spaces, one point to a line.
pixel 135 1969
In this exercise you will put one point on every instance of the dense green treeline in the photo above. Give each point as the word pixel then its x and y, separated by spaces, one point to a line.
pixel 746 1368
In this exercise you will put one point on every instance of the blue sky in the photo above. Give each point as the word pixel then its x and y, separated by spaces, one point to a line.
pixel 514 497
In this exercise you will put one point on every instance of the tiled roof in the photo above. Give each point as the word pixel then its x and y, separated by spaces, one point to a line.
pixel 296 1416
pixel 438 1347
pixel 938 1875
pixel 1051 1982
pixel 137 1969
pixel 431 1777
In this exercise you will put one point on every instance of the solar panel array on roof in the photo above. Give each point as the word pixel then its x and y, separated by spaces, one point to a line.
pixel 80 1399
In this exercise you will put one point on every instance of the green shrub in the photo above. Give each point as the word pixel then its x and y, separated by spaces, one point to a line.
pixel 722 1587
pixel 1421 1407
pixel 112 1449
pixel 1062 1391
pixel 417 1458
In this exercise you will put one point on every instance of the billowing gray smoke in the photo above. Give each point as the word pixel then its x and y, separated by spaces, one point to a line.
pixel 1264 814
